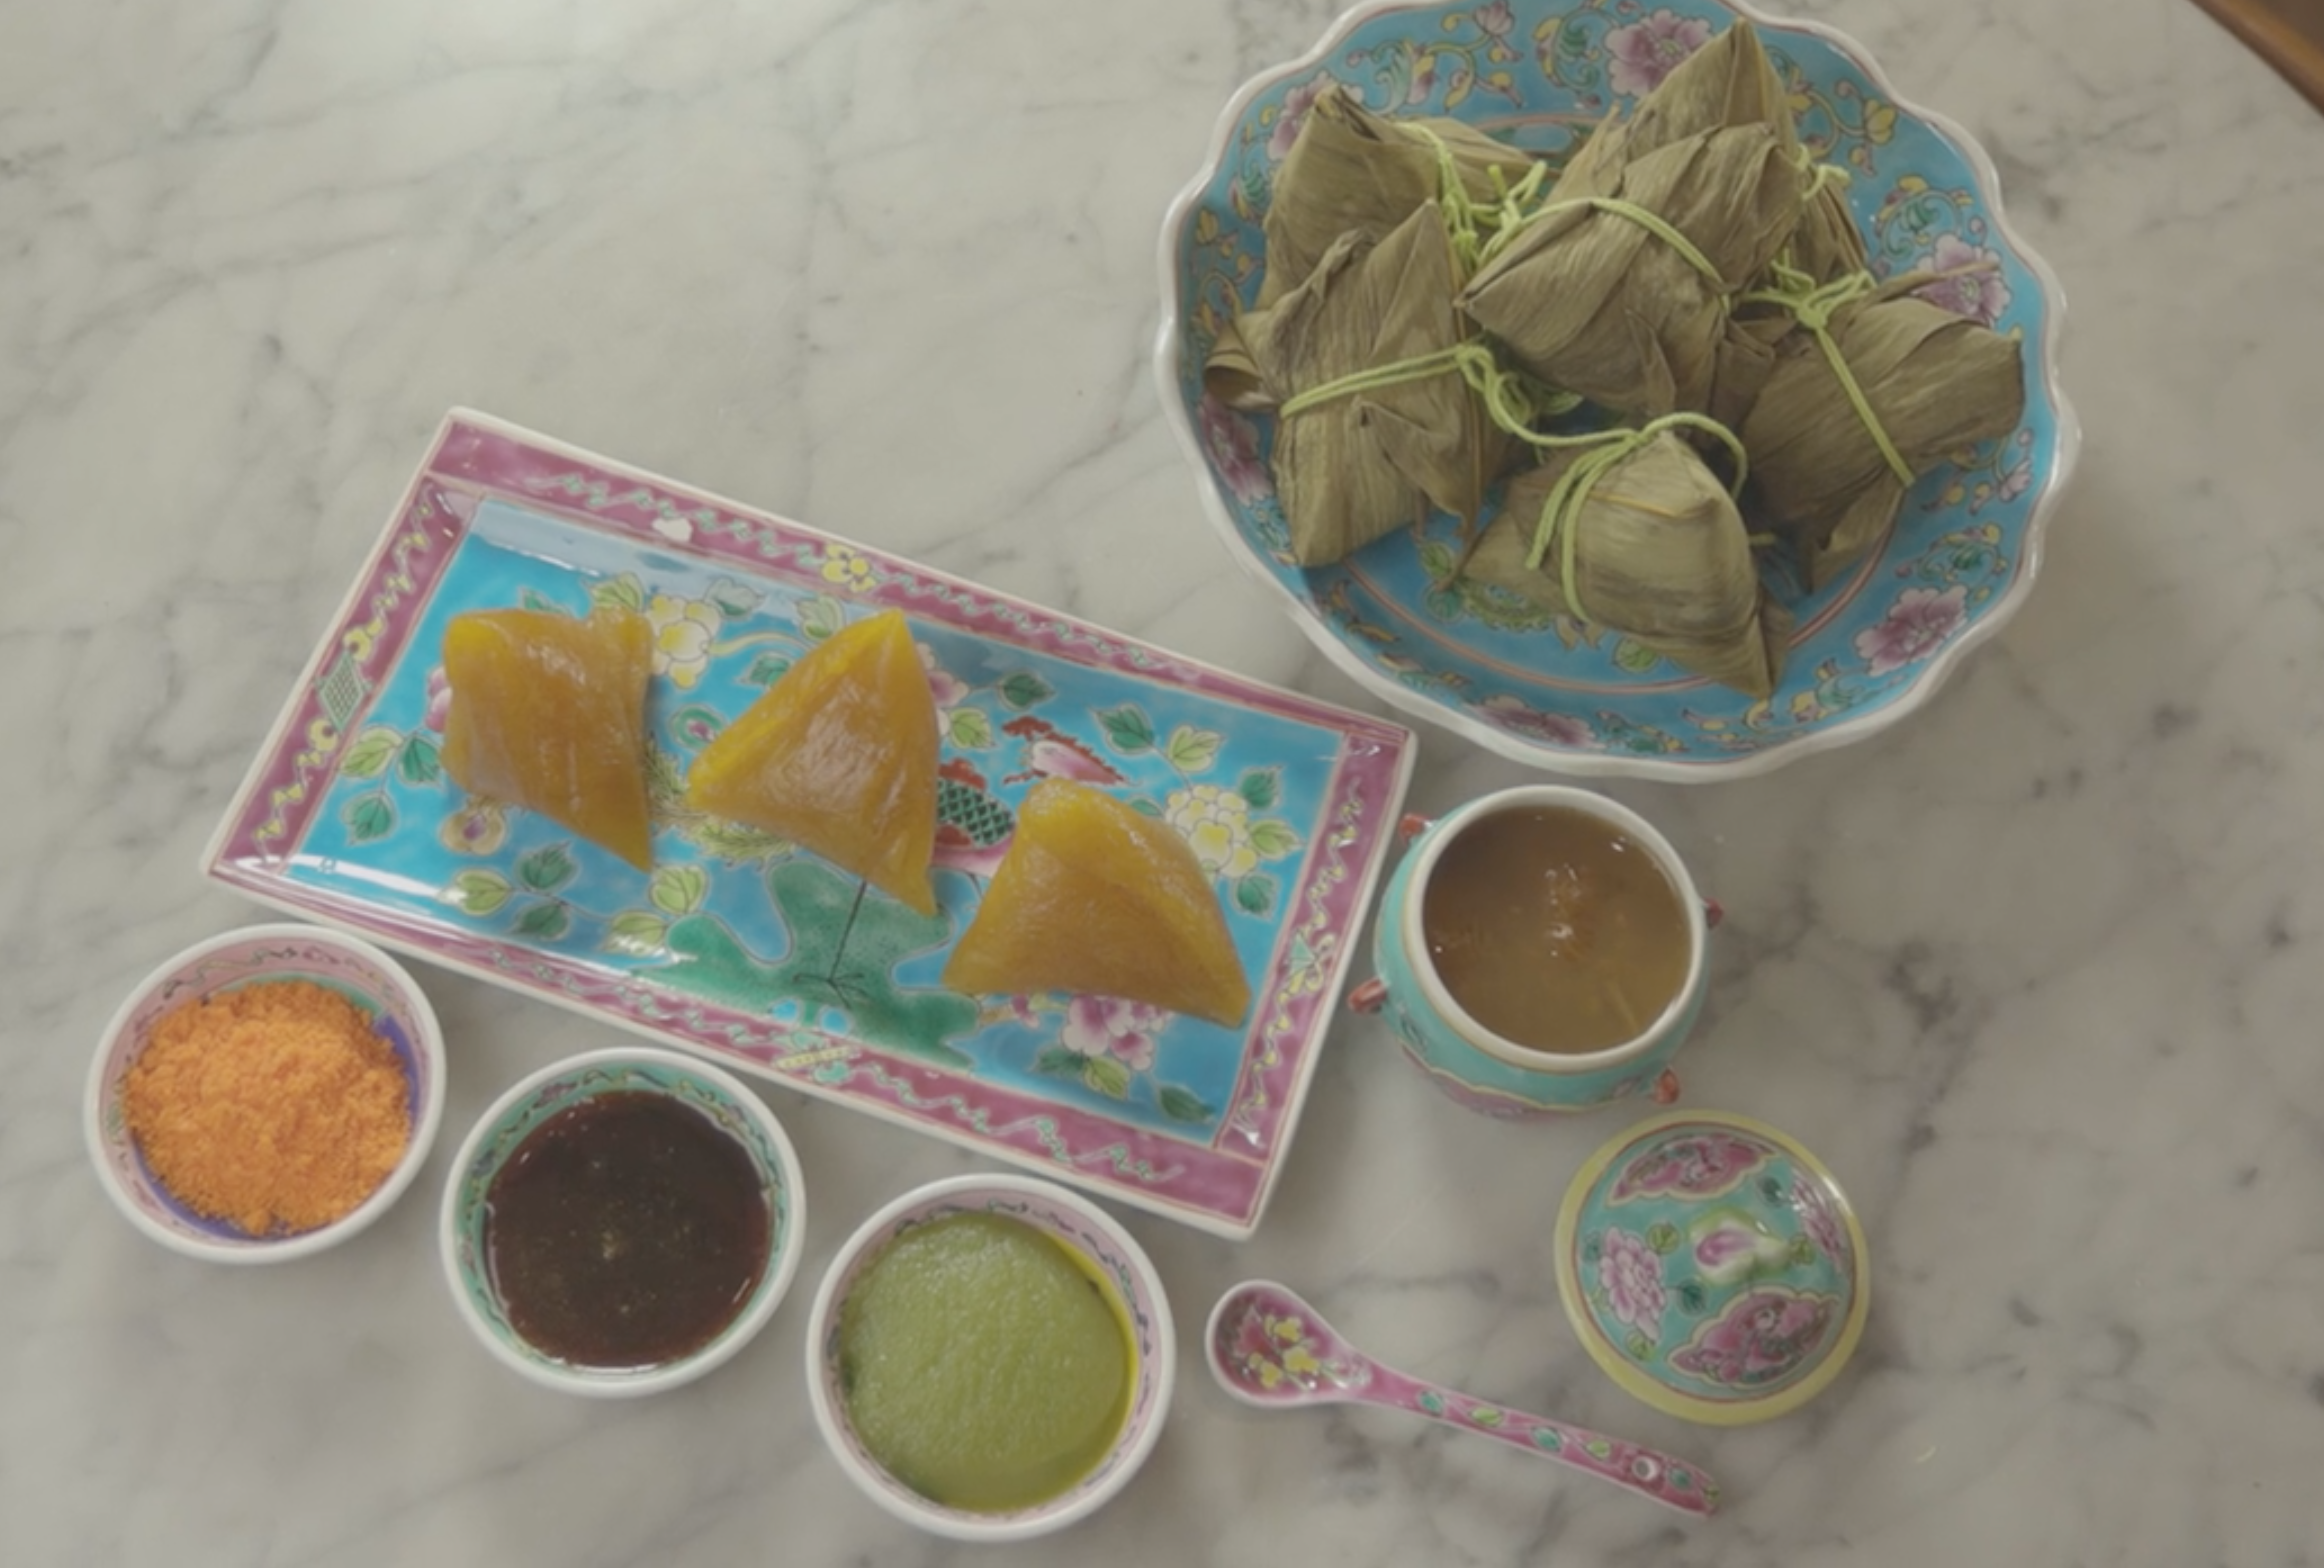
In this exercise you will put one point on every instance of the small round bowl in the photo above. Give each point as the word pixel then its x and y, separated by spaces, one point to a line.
pixel 1866 649
pixel 717 1095
pixel 1070 1219
pixel 253 954
pixel 1712 1267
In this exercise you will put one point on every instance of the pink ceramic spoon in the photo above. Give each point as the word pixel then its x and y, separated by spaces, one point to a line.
pixel 1267 1347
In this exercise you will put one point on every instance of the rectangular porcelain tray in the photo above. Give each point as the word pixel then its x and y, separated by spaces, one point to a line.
pixel 763 956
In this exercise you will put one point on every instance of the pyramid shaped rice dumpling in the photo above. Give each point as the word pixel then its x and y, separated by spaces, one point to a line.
pixel 548 713
pixel 1095 898
pixel 839 755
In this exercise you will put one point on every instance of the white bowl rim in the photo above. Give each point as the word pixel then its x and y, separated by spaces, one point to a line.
pixel 959 1524
pixel 782 1268
pixel 428 1045
pixel 1909 699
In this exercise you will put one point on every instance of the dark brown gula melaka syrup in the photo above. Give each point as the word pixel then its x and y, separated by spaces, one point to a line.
pixel 625 1231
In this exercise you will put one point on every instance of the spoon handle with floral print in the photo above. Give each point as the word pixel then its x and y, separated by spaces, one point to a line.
pixel 1643 1470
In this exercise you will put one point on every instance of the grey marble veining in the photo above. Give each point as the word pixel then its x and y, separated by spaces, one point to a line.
pixel 2037 974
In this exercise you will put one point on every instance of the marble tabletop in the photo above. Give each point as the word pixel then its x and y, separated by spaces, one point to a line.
pixel 2032 972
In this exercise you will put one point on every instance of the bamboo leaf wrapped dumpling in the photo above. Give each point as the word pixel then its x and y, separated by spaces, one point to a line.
pixel 1652 547
pixel 1731 81
pixel 1595 294
pixel 1931 382
pixel 1352 170
pixel 1351 467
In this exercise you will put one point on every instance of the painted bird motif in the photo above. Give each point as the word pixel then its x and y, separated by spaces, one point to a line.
pixel 1047 752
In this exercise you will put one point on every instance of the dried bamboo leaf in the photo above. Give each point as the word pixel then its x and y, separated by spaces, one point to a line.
pixel 1352 169
pixel 1660 555
pixel 1351 468
pixel 1597 302
pixel 1935 381
pixel 1732 81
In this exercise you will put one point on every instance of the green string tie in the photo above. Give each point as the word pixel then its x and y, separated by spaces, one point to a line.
pixel 1513 400
pixel 1474 226
pixel 1561 510
pixel 1646 218
pixel 1813 305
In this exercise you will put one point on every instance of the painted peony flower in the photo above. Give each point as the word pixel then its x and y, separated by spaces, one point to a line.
pixel 1914 627
pixel 1233 445
pixel 1559 729
pixel 1632 1276
pixel 1108 1026
pixel 439 699
pixel 1217 822
pixel 1976 290
pixel 682 632
pixel 1296 103
pixel 1645 52
pixel 948 689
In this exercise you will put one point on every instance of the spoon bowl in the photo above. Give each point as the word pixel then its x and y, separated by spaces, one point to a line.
pixel 1268 1347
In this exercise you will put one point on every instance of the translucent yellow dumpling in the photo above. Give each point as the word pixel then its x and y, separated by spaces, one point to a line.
pixel 1094 897
pixel 839 755
pixel 548 713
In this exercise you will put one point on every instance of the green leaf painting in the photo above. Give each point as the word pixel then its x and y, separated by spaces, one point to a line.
pixel 624 592
pixel 370 752
pixel 1634 656
pixel 820 617
pixel 678 890
pixel 1190 750
pixel 544 922
pixel 547 869
pixel 1182 1105
pixel 1057 1061
pixel 1107 1075
pixel 638 932
pixel 480 893
pixel 1273 838
pixel 418 762
pixel 1255 893
pixel 1127 728
pixel 1024 689
pixel 734 600
pixel 369 817
pixel 970 729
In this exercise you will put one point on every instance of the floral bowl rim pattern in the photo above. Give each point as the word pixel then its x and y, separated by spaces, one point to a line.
pixel 1073 1220
pixel 519 1110
pixel 1546 751
pixel 1587 1193
pixel 243 956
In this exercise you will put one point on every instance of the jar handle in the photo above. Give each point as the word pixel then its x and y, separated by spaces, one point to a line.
pixel 1369 997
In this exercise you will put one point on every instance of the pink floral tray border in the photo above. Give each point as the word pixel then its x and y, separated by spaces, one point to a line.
pixel 1222 1186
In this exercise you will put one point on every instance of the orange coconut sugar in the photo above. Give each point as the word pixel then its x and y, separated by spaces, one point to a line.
pixel 276 1107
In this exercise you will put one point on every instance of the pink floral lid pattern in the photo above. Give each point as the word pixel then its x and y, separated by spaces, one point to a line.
pixel 1712 1267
